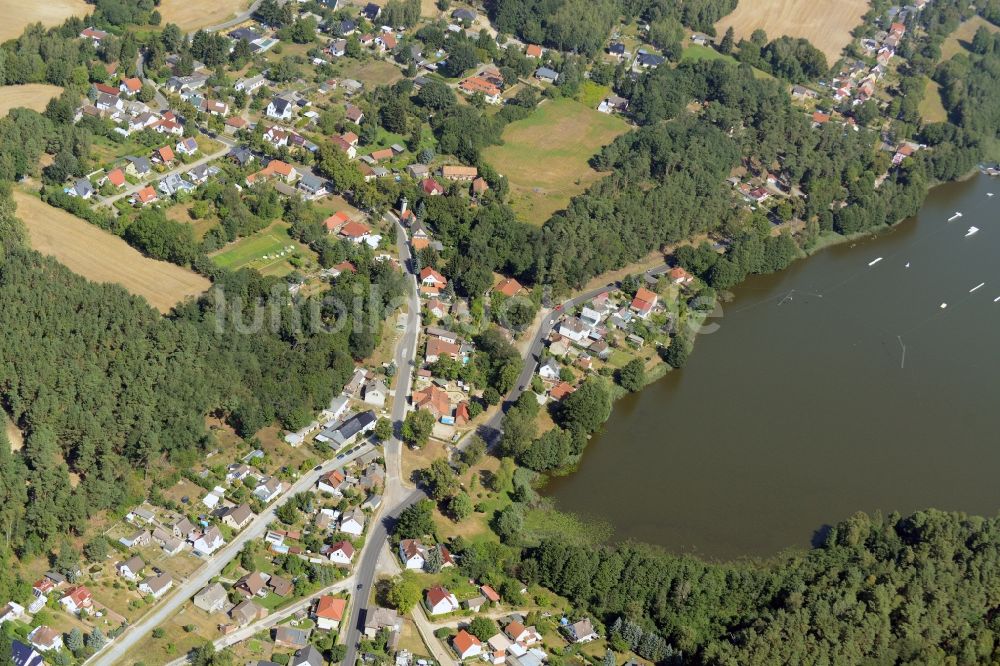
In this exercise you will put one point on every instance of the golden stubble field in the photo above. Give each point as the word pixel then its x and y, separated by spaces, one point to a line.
pixel 30 95
pixel 189 15
pixel 103 257
pixel 18 14
pixel 827 25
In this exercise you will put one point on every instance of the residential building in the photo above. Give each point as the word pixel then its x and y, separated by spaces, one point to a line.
pixel 329 612
pixel 454 172
pixel 157 585
pixel 379 618
pixel 348 431
pixel 434 400
pixel 581 631
pixel 10 612
pixel 549 370
pixel 289 637
pixel 307 656
pixel 475 84
pixel 239 517
pixel 547 75
pixel 313 186
pixel 269 489
pixel 77 600
pixel 212 599
pixel 25 655
pixel 209 542
pixel 44 639
pixel 246 612
pixel 375 393
pixel 279 108
pixel 466 645
pixel 131 568
pixel 439 601
pixel 353 522
pixel 341 553
pixel 187 146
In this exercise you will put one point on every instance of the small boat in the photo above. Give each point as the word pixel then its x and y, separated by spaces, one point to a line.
pixel 907 265
pixel 997 299
pixel 944 305
pixel 955 216
pixel 872 263
pixel 978 286
pixel 989 194
pixel 971 231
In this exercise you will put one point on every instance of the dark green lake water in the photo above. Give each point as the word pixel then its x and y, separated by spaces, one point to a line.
pixel 796 413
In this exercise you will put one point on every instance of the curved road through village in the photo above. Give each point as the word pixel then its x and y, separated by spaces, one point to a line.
pixel 397 496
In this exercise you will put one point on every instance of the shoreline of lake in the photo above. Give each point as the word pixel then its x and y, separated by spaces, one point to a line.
pixel 554 482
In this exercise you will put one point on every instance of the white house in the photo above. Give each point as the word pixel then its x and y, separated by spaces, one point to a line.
pixel 10 612
pixel 341 553
pixel 412 553
pixel 45 638
pixel 353 522
pixel 375 393
pixel 582 631
pixel 211 500
pixel 279 108
pixel 157 585
pixel 574 329
pixel 466 645
pixel 549 370
pixel 130 568
pixel 439 601
pixel 267 491
pixel 209 542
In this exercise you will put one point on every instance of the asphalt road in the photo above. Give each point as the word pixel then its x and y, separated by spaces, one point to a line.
pixel 115 651
pixel 397 497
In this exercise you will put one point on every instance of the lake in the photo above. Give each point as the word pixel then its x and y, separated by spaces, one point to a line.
pixel 801 409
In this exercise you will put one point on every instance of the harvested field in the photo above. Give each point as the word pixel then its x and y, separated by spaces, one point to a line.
pixel 827 25
pixel 545 156
pixel 193 15
pixel 18 14
pixel 961 39
pixel 103 257
pixel 31 95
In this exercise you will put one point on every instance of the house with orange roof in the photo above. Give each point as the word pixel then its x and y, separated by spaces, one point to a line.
pixel 356 232
pixel 116 177
pixel 475 84
pixel 146 195
pixel 533 51
pixel 274 168
pixel 164 155
pixel 435 400
pixel 336 221
pixel 680 276
pixel 644 302
pixel 77 600
pixel 431 278
pixel 466 645
pixel 436 348
pixel 458 172
pixel 329 612
pixel 561 390
pixel 509 287
pixel 382 154
pixel 431 187
pixel 130 86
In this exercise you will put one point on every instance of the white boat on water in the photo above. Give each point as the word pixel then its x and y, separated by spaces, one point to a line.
pixel 977 287
pixel 872 263
pixel 955 216
pixel 989 194
pixel 971 231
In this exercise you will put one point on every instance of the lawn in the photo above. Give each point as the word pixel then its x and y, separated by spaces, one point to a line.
pixel 961 39
pixel 103 257
pixel 545 156
pixel 827 25
pixel 371 72
pixel 699 52
pixel 931 108
pixel 181 212
pixel 268 251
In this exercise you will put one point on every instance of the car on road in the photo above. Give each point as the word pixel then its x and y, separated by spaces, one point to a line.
pixel 317 468
pixel 339 456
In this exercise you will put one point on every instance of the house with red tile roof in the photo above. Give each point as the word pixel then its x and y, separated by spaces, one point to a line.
pixel 466 645
pixel 77 600
pixel 146 195
pixel 336 221
pixel 509 287
pixel 355 231
pixel 680 276
pixel 130 86
pixel 164 154
pixel 439 601
pixel 533 51
pixel 431 278
pixel 644 302
pixel 434 400
pixel 116 177
pixel 431 187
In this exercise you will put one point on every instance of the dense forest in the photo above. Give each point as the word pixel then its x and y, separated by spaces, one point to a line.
pixel 102 385
pixel 923 589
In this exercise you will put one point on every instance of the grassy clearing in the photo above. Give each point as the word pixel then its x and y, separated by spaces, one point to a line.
pixel 827 25
pixel 269 251
pixel 699 52
pixel 181 212
pixel 961 39
pixel 931 107
pixel 14 435
pixel 103 257
pixel 18 14
pixel 31 95
pixel 545 156
pixel 372 72
pixel 194 15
